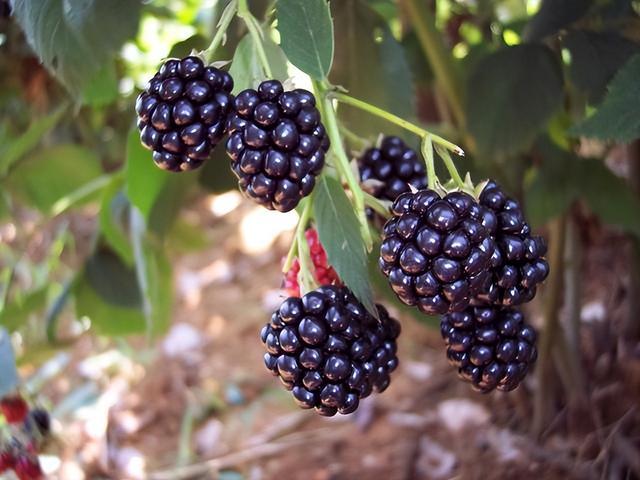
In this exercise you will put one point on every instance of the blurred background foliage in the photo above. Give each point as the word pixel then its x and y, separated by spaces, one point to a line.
pixel 542 94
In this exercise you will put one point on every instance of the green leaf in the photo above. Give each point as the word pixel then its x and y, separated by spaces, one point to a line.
pixel 106 318
pixel 74 38
pixel 144 181
pixel 511 94
pixel 596 57
pixel 16 312
pixel 114 220
pixel 49 175
pixel 22 145
pixel 107 293
pixel 114 281
pixel 9 379
pixel 306 35
pixel 339 232
pixel 372 64
pixel 555 15
pixel 102 89
pixel 246 69
pixel 563 178
pixel 618 118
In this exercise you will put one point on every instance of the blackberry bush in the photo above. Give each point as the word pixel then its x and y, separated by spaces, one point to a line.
pixel 518 265
pixel 329 351
pixel 183 111
pixel 277 144
pixel 435 251
pixel 492 347
pixel 391 169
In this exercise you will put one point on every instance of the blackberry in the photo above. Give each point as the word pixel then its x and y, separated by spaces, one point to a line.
pixel 329 351
pixel 517 263
pixel 39 418
pixel 393 167
pixel 435 251
pixel 182 112
pixel 492 347
pixel 277 144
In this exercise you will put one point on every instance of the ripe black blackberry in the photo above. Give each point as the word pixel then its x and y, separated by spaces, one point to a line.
pixel 329 351
pixel 492 347
pixel 517 263
pixel 277 144
pixel 393 167
pixel 182 112
pixel 435 251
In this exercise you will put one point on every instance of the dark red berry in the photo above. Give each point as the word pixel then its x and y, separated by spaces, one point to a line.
pixel 492 347
pixel 435 251
pixel 329 351
pixel 14 408
pixel 276 144
pixel 183 112
pixel 7 460
pixel 28 468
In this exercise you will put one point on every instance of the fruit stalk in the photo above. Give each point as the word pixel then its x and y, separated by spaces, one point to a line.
pixel 255 30
pixel 390 117
pixel 342 163
pixel 225 20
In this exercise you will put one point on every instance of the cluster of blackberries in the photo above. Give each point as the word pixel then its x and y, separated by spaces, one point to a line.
pixel 182 113
pixel 323 273
pixel 391 169
pixel 329 351
pixel 29 427
pixel 276 143
pixel 491 347
pixel 448 254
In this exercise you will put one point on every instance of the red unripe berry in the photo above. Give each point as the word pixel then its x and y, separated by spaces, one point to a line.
pixel 14 408
pixel 28 468
pixel 7 460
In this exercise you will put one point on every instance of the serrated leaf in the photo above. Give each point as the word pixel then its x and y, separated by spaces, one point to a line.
pixel 563 178
pixel 246 68
pixel 74 38
pixel 9 378
pixel 596 57
pixel 102 89
pixel 49 175
pixel 306 35
pixel 339 232
pixel 555 15
pixel 618 117
pixel 511 94
pixel 371 64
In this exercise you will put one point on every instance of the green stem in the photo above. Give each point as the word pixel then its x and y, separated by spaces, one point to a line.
pixel 440 60
pixel 375 204
pixel 451 168
pixel 255 30
pixel 421 132
pixel 305 277
pixel 225 19
pixel 342 164
pixel 427 154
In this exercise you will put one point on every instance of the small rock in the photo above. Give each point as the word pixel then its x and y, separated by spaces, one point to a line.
pixel 181 340
pixel 457 414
